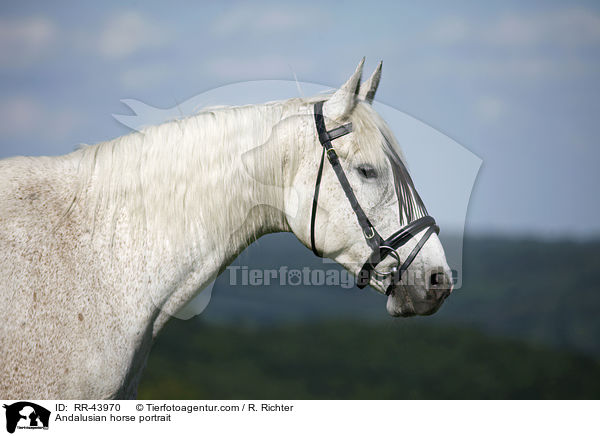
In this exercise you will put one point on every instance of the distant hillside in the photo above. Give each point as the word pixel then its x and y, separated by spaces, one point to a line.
pixel 344 360
pixel 545 292
pixel 541 292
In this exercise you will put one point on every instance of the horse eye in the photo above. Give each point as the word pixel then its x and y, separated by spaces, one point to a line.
pixel 367 171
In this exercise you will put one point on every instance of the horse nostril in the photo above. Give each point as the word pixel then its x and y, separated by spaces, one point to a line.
pixel 437 279
pixel 440 285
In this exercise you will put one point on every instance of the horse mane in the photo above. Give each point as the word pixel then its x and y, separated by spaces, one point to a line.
pixel 170 177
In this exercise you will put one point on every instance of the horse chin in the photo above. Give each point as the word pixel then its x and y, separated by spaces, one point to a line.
pixel 401 303
pixel 400 313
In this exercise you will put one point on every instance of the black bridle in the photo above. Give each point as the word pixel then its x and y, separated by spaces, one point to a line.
pixel 380 247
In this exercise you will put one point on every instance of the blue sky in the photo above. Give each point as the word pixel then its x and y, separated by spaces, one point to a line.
pixel 514 82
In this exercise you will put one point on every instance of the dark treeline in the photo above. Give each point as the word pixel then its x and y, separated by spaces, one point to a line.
pixel 524 325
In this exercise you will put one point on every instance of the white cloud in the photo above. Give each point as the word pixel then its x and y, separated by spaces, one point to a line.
pixel 260 19
pixel 18 114
pixel 490 109
pixel 267 66
pixel 567 27
pixel 449 30
pixel 129 32
pixel 23 117
pixel 529 46
pixel 493 67
pixel 24 41
pixel 144 77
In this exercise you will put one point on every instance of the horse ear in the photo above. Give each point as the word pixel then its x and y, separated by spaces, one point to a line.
pixel 368 89
pixel 343 101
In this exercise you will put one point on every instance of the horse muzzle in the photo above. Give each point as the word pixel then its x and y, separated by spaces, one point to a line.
pixel 423 299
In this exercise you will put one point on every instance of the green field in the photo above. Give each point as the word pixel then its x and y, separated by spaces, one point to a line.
pixel 342 360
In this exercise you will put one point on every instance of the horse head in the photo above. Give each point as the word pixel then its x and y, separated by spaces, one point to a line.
pixel 355 202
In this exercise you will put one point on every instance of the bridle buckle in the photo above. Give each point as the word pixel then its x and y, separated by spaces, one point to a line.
pixel 369 235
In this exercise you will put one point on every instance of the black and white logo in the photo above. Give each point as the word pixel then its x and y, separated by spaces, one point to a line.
pixel 26 415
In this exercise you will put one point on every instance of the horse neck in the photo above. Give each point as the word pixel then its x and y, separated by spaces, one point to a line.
pixel 191 185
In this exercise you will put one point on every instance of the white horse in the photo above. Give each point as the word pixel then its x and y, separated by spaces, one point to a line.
pixel 99 246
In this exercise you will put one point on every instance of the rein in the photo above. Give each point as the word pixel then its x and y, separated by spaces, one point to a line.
pixel 380 247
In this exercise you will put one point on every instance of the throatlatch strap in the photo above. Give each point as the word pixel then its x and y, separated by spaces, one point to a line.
pixel 315 205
